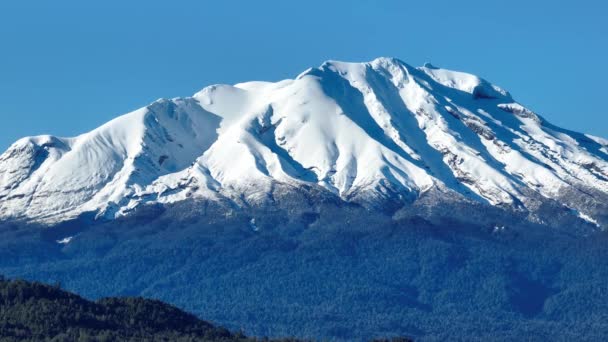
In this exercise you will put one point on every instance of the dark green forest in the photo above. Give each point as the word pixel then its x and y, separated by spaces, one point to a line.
pixel 31 311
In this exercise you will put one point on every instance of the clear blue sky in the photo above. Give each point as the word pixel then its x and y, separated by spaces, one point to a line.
pixel 67 66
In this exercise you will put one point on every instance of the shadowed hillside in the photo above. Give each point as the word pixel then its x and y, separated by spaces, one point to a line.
pixel 32 311
pixel 35 312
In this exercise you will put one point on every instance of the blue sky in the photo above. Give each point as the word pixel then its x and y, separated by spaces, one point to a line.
pixel 67 66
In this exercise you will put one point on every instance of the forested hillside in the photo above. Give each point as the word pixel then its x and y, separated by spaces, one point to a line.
pixel 341 273
pixel 37 312
pixel 32 311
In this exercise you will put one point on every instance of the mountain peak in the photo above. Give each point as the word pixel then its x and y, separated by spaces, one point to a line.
pixel 428 65
pixel 365 132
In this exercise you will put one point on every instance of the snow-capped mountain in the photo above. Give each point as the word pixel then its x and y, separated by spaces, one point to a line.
pixel 366 132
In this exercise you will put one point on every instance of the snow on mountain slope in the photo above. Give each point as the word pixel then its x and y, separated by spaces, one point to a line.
pixel 362 131
pixel 47 177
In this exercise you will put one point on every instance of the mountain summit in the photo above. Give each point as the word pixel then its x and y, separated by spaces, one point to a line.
pixel 364 132
pixel 354 201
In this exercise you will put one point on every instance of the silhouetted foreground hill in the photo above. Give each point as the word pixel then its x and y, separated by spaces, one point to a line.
pixel 34 311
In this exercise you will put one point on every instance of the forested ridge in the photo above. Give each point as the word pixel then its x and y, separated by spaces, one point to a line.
pixel 32 311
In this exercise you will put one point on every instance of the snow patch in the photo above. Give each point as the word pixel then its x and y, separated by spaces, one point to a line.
pixel 253 226
pixel 65 240
pixel 588 219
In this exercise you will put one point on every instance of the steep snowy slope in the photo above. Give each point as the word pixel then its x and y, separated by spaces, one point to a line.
pixel 366 132
pixel 48 177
